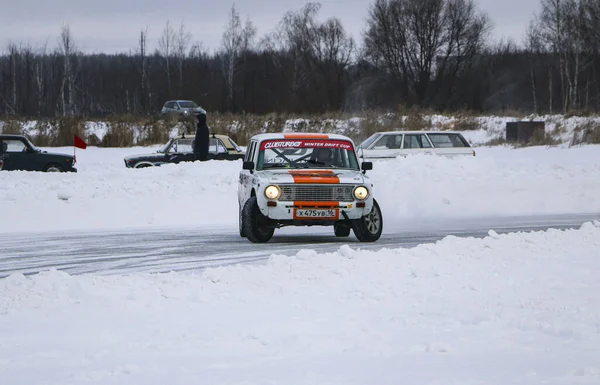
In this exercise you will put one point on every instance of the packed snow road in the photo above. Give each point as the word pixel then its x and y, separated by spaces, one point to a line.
pixel 193 249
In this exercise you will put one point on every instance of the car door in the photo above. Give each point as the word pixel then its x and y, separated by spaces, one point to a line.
pixel 217 149
pixel 245 181
pixel 19 156
pixel 2 148
pixel 450 144
pixel 388 145
pixel 181 150
pixel 416 144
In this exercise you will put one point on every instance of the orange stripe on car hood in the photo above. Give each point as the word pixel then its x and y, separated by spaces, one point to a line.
pixel 306 136
pixel 324 176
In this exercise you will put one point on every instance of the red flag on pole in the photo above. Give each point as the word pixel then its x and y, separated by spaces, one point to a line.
pixel 79 143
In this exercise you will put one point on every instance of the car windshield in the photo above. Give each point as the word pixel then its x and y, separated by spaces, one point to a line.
pixel 367 142
pixel 33 147
pixel 237 147
pixel 165 147
pixel 188 104
pixel 306 153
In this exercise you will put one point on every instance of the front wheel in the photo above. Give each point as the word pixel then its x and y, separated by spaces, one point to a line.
pixel 253 223
pixel 369 227
pixel 53 167
pixel 241 223
pixel 341 230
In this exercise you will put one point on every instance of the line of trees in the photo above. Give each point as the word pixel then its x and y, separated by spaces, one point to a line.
pixel 434 54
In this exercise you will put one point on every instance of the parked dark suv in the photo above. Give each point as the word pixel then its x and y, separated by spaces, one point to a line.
pixel 18 153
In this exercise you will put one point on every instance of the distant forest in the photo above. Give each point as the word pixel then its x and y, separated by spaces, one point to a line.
pixel 432 54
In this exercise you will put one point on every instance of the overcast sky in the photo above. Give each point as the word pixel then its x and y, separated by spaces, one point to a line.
pixel 114 25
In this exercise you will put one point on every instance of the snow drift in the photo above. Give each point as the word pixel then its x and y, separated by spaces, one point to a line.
pixel 507 309
pixel 106 195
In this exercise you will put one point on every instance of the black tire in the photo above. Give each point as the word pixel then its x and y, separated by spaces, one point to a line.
pixel 341 230
pixel 369 227
pixel 241 223
pixel 53 167
pixel 252 223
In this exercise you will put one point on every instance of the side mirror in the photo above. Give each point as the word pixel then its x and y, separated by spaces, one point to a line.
pixel 248 166
pixel 367 166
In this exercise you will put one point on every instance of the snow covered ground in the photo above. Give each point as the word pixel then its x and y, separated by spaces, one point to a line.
pixel 499 181
pixel 520 308
pixel 507 309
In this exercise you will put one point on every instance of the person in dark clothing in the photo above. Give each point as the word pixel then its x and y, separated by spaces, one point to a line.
pixel 201 139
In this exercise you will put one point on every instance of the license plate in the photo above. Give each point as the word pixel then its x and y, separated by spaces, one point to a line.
pixel 316 213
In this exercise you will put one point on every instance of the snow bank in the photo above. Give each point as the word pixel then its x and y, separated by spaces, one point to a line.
pixel 507 309
pixel 479 130
pixel 483 128
pixel 106 195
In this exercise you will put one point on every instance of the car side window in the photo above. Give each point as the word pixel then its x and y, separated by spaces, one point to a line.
pixel 416 141
pixel 216 146
pixel 184 145
pixel 448 140
pixel 13 145
pixel 390 141
pixel 250 152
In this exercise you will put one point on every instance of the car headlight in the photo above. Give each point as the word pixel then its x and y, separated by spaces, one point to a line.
pixel 361 193
pixel 272 192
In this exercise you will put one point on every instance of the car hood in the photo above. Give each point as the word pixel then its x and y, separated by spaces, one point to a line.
pixel 56 154
pixel 312 176
pixel 155 155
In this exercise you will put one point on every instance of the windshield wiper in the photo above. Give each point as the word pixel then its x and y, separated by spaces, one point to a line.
pixel 275 165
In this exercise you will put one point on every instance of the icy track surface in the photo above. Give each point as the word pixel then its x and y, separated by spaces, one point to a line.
pixel 521 308
pixel 106 195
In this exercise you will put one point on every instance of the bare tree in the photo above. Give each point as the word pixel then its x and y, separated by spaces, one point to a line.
pixel 299 35
pixel 534 47
pixel 236 41
pixel 144 79
pixel 68 51
pixel 166 44
pixel 182 42
pixel 13 54
pixel 333 50
pixel 413 37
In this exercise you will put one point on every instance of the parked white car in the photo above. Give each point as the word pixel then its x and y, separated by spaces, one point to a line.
pixel 306 180
pixel 392 144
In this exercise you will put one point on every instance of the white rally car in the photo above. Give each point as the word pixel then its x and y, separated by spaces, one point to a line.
pixel 305 179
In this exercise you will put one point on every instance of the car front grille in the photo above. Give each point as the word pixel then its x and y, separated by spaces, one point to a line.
pixel 317 193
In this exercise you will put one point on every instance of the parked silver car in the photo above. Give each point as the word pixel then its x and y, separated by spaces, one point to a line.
pixel 392 144
pixel 181 108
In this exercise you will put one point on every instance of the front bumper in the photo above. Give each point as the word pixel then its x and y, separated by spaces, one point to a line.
pixel 315 212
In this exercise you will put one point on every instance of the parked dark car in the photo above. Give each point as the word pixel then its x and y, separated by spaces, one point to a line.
pixel 180 149
pixel 18 153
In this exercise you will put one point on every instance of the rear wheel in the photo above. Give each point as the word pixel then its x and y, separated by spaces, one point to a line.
pixel 369 227
pixel 253 223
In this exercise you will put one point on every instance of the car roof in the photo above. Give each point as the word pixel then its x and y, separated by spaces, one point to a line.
pixel 299 135
pixel 192 136
pixel 11 136
pixel 418 132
